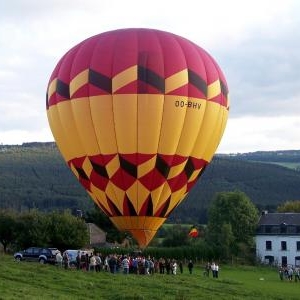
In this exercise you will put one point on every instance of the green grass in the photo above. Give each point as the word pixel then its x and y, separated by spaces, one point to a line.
pixel 24 280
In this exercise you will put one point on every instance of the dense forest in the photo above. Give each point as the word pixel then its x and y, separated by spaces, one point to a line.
pixel 34 175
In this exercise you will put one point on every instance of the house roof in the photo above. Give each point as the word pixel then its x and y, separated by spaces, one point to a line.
pixel 280 218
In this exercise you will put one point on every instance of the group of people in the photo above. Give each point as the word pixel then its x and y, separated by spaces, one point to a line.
pixel 113 263
pixel 289 273
pixel 213 267
pixel 135 264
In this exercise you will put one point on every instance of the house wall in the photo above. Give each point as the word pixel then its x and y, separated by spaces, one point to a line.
pixel 291 249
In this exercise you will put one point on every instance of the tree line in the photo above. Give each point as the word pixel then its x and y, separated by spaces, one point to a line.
pixel 35 228
pixel 34 176
pixel 229 232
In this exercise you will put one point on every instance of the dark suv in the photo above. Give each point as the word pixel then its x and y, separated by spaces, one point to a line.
pixel 42 255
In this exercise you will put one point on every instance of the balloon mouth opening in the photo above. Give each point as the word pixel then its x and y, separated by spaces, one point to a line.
pixel 142 228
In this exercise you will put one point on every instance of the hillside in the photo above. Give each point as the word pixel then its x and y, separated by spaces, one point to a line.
pixel 35 175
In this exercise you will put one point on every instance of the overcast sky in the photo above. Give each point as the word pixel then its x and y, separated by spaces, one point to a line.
pixel 256 44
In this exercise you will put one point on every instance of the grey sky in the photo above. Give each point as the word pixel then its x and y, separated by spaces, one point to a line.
pixel 256 43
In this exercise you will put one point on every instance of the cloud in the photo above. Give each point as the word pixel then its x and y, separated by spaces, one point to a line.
pixel 255 43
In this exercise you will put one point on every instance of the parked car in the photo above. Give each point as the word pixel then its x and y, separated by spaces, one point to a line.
pixel 41 255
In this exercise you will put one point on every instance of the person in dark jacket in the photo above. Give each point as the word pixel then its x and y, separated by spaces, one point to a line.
pixel 190 266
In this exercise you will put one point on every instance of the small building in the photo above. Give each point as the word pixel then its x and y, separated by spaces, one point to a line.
pixel 97 236
pixel 278 239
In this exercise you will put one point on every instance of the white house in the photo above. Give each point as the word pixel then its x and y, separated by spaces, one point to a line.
pixel 278 239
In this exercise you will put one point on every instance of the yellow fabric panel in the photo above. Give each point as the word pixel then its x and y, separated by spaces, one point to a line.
pixel 172 122
pixel 143 228
pixel 127 76
pixel 214 89
pixel 192 124
pixel 137 222
pixel 100 195
pixel 84 123
pixel 210 119
pixel 61 125
pixel 116 195
pixel 194 175
pixel 120 222
pixel 143 194
pixel 132 193
pixel 176 81
pixel 78 81
pixel 54 123
pixel 112 166
pixel 143 237
pixel 176 170
pixel 176 197
pixel 125 119
pixel 160 195
pixel 103 121
pixel 140 222
pixel 217 134
pixel 150 111
pixel 153 222
pixel 146 167
pixel 52 87
pixel 87 167
pixel 156 200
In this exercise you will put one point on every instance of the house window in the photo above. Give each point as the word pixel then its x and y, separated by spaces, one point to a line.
pixel 284 261
pixel 268 245
pixel 283 245
pixel 298 245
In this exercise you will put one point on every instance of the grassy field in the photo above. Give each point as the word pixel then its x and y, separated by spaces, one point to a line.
pixel 24 280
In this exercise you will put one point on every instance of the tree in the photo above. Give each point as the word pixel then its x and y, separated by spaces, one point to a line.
pixel 32 229
pixel 7 228
pixel 232 219
pixel 289 206
pixel 176 236
pixel 55 229
pixel 66 231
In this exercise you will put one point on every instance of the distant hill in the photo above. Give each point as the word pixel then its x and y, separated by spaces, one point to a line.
pixel 34 175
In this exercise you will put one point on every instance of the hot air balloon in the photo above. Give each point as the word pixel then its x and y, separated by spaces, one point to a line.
pixel 137 115
pixel 193 232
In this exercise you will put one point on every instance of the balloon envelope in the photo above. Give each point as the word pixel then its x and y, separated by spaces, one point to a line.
pixel 137 114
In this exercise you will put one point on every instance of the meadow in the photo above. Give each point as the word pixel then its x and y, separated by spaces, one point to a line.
pixel 30 280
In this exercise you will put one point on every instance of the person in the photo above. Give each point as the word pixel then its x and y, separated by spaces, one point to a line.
pixel 213 269
pixel 87 262
pixel 125 265
pixel 161 264
pixel 190 266
pixel 66 260
pixel 290 273
pixel 112 262
pixel 281 273
pixel 174 267
pixel 151 266
pixel 58 259
pixel 180 267
pixel 78 260
pixel 92 262
pixel 216 270
pixel 98 262
pixel 207 269
pixel 297 273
